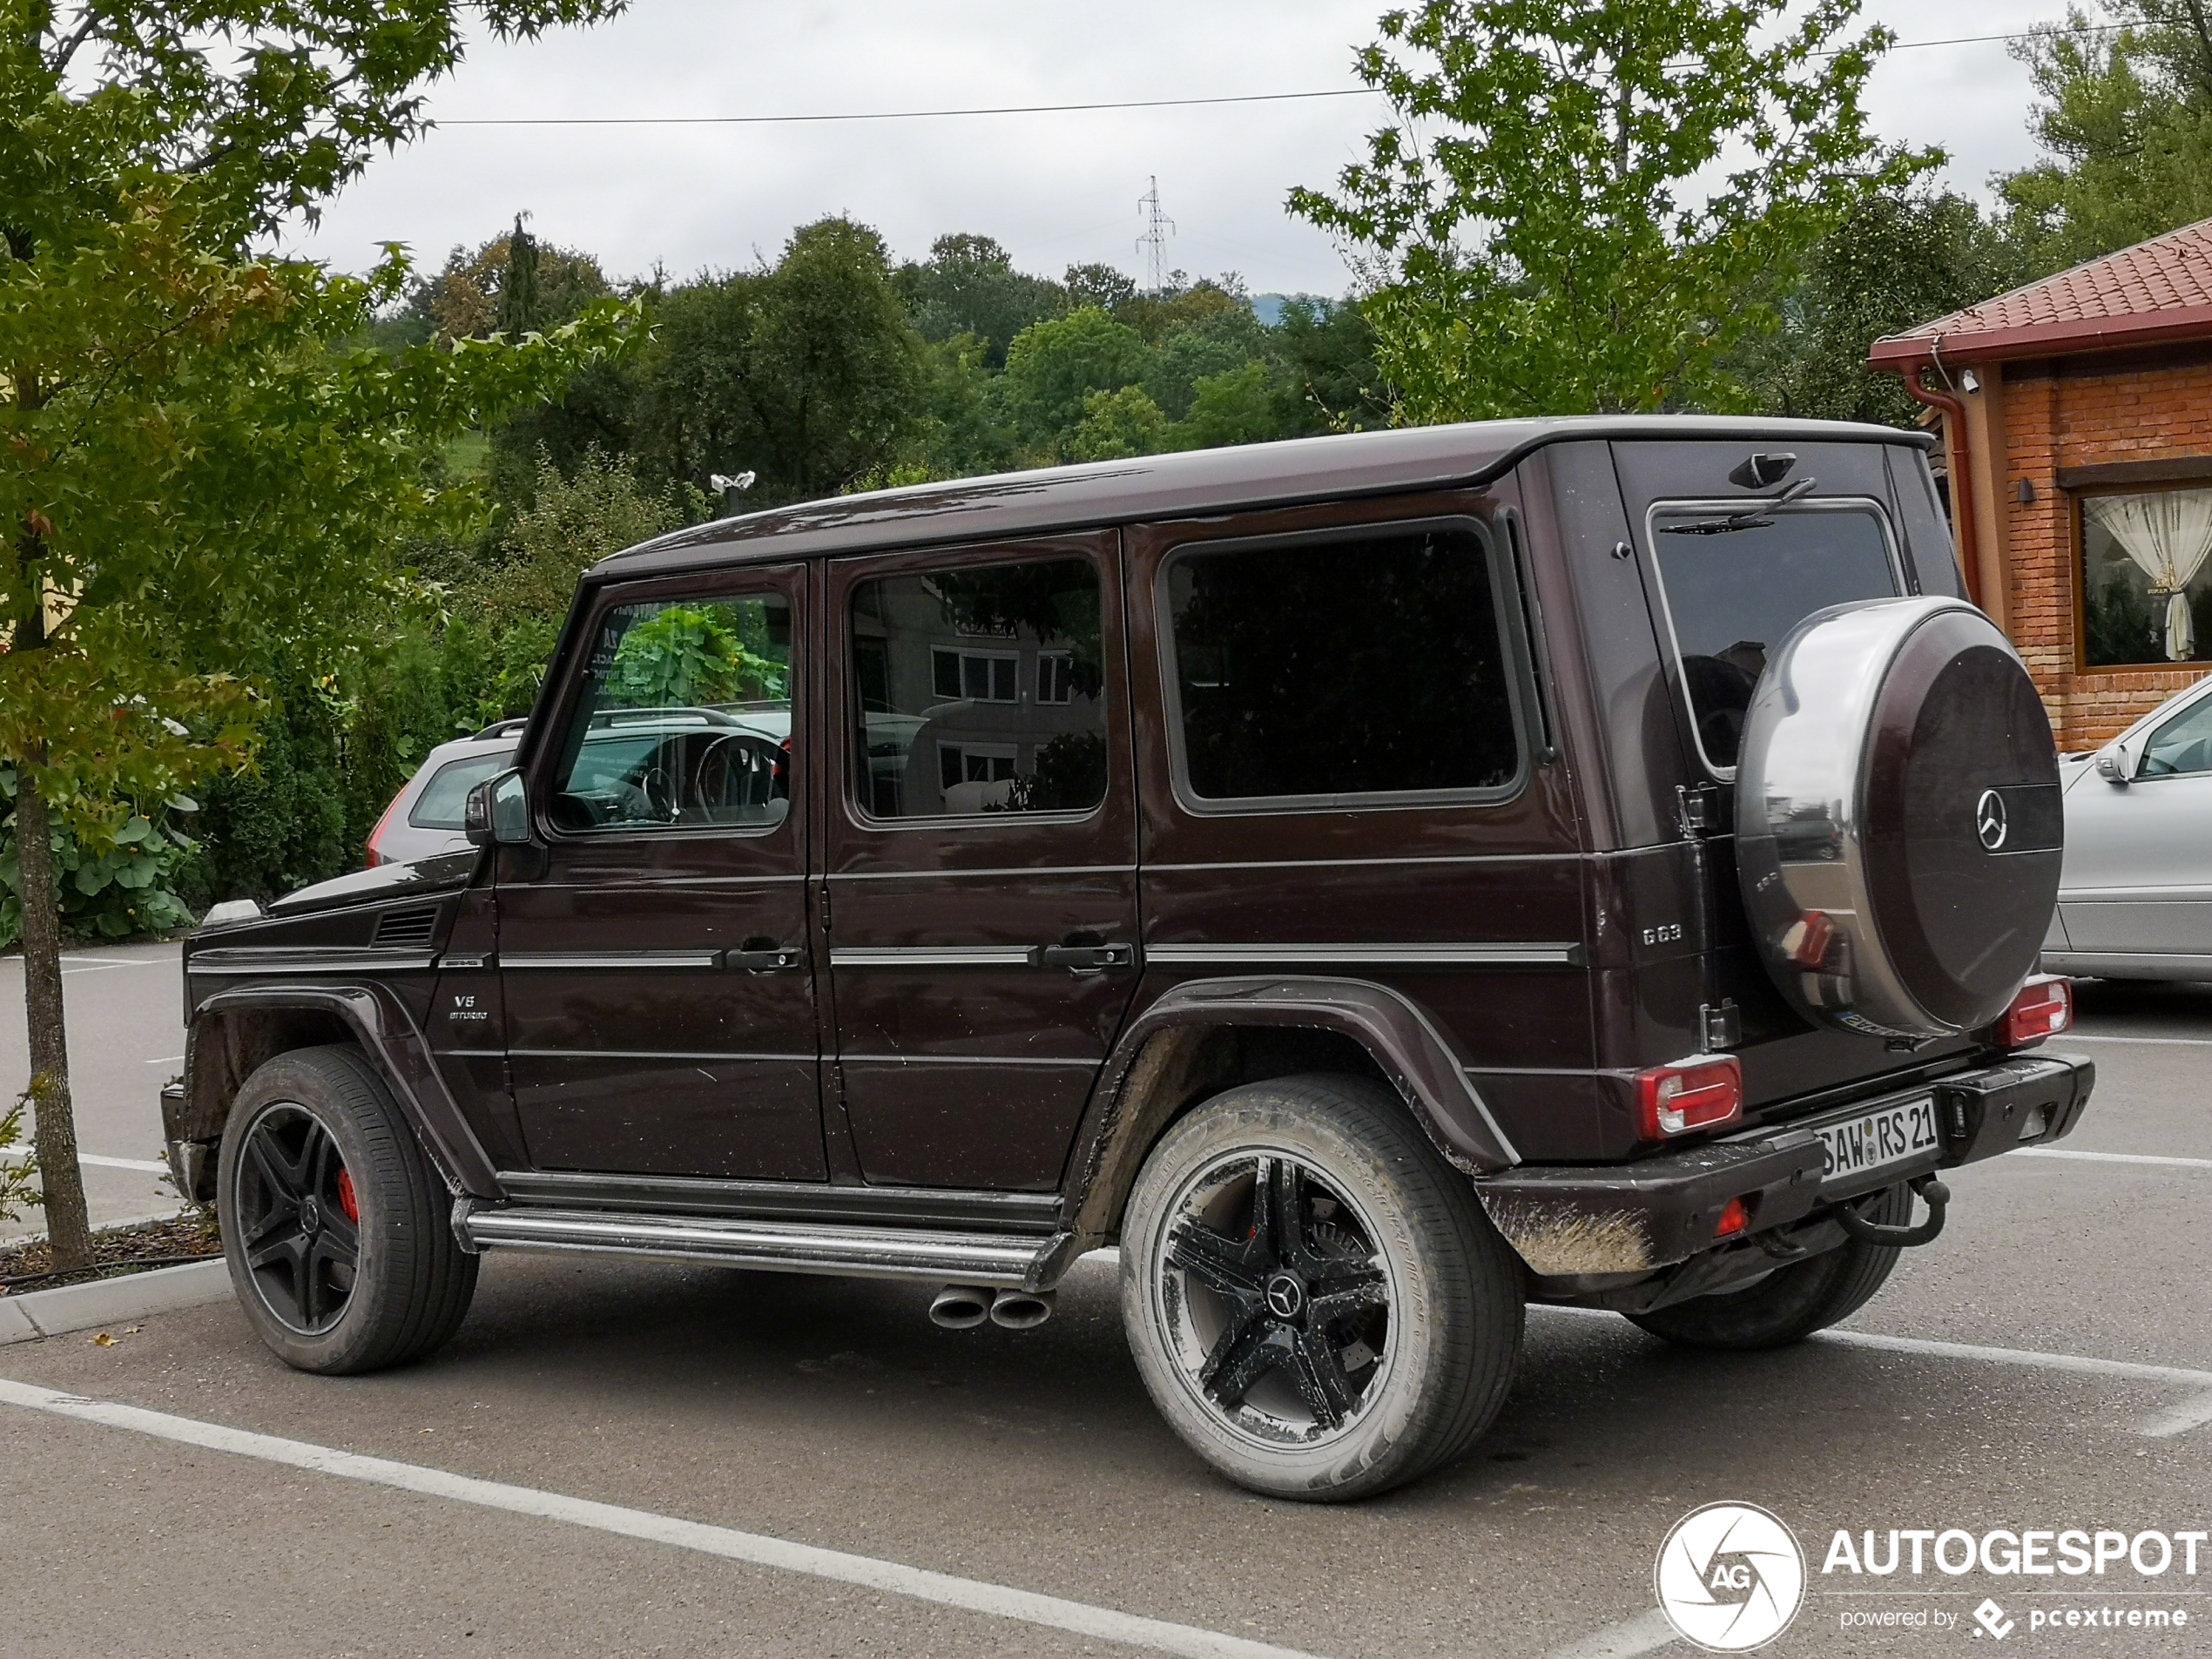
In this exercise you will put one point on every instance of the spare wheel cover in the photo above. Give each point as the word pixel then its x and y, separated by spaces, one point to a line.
pixel 1898 824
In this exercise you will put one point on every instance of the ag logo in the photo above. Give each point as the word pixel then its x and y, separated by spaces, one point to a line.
pixel 1729 1577
pixel 1990 827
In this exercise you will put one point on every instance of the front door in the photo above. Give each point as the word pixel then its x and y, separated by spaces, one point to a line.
pixel 653 953
pixel 2138 877
pixel 982 853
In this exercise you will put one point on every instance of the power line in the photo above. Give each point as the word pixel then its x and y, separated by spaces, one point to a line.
pixel 1077 109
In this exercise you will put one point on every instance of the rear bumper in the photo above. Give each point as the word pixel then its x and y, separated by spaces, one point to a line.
pixel 1590 1227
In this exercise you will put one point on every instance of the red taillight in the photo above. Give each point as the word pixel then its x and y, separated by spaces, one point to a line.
pixel 375 835
pixel 1690 1094
pixel 1733 1219
pixel 2044 1007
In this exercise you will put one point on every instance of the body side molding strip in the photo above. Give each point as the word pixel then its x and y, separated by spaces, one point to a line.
pixel 1535 954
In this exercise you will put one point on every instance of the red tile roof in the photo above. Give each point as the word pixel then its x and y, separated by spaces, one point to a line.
pixel 2156 291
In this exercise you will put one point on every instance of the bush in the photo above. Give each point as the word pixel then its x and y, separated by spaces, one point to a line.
pixel 109 891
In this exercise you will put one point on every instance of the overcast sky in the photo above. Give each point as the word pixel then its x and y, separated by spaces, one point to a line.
pixel 1055 189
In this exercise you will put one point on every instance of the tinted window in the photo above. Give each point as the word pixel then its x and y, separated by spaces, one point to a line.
pixel 445 798
pixel 683 719
pixel 1736 588
pixel 1372 665
pixel 978 690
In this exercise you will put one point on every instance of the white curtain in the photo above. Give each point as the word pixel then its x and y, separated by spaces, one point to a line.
pixel 2169 534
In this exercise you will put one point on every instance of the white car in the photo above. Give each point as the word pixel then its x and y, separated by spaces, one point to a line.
pixel 2135 891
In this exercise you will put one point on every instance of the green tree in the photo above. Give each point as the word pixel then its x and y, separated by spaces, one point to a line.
pixel 1335 383
pixel 807 374
pixel 1900 258
pixel 2126 122
pixel 1053 368
pixel 969 285
pixel 191 476
pixel 1237 406
pixel 1119 424
pixel 1581 202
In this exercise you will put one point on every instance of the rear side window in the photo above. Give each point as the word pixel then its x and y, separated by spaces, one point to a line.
pixel 1354 668
pixel 1735 582
pixel 978 689
pixel 444 800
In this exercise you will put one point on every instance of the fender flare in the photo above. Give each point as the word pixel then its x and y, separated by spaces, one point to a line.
pixel 386 1033
pixel 1392 1028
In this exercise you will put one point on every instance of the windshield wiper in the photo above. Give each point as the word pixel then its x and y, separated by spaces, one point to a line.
pixel 1753 517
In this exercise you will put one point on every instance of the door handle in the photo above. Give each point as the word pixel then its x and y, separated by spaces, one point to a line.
pixel 1092 958
pixel 763 960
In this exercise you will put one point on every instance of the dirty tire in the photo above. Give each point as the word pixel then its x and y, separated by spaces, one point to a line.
pixel 328 1110
pixel 1384 1227
pixel 1792 1302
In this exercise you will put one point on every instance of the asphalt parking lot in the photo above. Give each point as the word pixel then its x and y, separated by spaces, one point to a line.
pixel 659 1433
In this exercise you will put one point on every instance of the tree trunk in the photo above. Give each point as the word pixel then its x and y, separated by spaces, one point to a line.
pixel 68 1229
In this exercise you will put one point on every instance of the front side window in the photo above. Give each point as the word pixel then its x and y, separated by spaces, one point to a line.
pixel 2147 578
pixel 979 690
pixel 1737 580
pixel 2182 745
pixel 684 721
pixel 1368 665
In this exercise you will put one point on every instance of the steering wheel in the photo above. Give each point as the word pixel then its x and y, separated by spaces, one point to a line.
pixel 732 754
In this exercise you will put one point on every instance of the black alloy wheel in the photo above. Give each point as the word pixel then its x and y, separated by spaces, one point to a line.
pixel 1279 1305
pixel 337 1227
pixel 1313 1296
pixel 298 1218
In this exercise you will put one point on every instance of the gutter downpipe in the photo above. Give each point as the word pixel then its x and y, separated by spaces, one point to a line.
pixel 1961 444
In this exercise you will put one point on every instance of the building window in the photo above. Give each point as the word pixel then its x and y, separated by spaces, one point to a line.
pixel 1056 676
pixel 979 675
pixel 2147 578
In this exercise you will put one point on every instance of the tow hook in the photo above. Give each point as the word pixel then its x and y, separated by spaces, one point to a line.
pixel 1932 1191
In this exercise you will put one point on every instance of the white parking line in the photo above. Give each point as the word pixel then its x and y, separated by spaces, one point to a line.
pixel 1646 1633
pixel 163 1060
pixel 974 1595
pixel 2113 1157
pixel 150 1166
pixel 2193 1412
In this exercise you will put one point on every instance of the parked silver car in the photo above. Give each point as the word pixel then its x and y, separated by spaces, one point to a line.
pixel 2135 891
pixel 426 817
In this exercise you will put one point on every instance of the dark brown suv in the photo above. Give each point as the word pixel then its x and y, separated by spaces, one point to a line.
pixel 1377 881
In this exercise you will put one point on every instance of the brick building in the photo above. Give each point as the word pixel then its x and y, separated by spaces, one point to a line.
pixel 2077 426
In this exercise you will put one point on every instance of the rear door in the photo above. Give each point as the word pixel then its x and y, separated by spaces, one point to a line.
pixel 980 854
pixel 2138 856
pixel 653 953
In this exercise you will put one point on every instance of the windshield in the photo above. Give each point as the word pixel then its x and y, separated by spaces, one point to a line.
pixel 1735 587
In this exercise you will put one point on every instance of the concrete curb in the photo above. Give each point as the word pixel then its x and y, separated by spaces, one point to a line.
pixel 111 1301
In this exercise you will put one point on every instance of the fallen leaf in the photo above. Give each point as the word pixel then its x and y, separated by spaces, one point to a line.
pixel 104 1340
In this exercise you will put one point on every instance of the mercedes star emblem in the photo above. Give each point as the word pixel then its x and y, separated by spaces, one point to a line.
pixel 1989 820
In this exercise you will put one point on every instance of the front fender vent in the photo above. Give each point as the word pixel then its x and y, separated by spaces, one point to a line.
pixel 408 929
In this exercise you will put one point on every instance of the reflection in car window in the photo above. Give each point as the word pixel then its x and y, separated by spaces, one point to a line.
pixel 1735 586
pixel 685 719
pixel 1366 666
pixel 444 800
pixel 2184 744
pixel 979 690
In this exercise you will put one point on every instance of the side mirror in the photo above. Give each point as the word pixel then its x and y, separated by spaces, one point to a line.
pixel 2115 765
pixel 497 812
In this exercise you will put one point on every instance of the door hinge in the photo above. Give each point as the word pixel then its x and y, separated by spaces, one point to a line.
pixel 1723 1027
pixel 1698 808
pixel 825 907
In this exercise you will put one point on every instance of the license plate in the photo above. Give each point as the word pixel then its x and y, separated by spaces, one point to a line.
pixel 1893 1135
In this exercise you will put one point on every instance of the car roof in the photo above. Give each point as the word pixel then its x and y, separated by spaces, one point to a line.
pixel 1008 505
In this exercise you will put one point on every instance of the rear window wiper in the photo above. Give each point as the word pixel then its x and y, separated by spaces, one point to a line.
pixel 1754 517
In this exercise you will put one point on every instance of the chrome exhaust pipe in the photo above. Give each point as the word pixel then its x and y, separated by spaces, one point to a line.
pixel 960 1307
pixel 1021 1309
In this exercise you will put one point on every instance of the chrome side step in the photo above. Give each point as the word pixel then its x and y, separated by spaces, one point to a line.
pixel 775 1246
